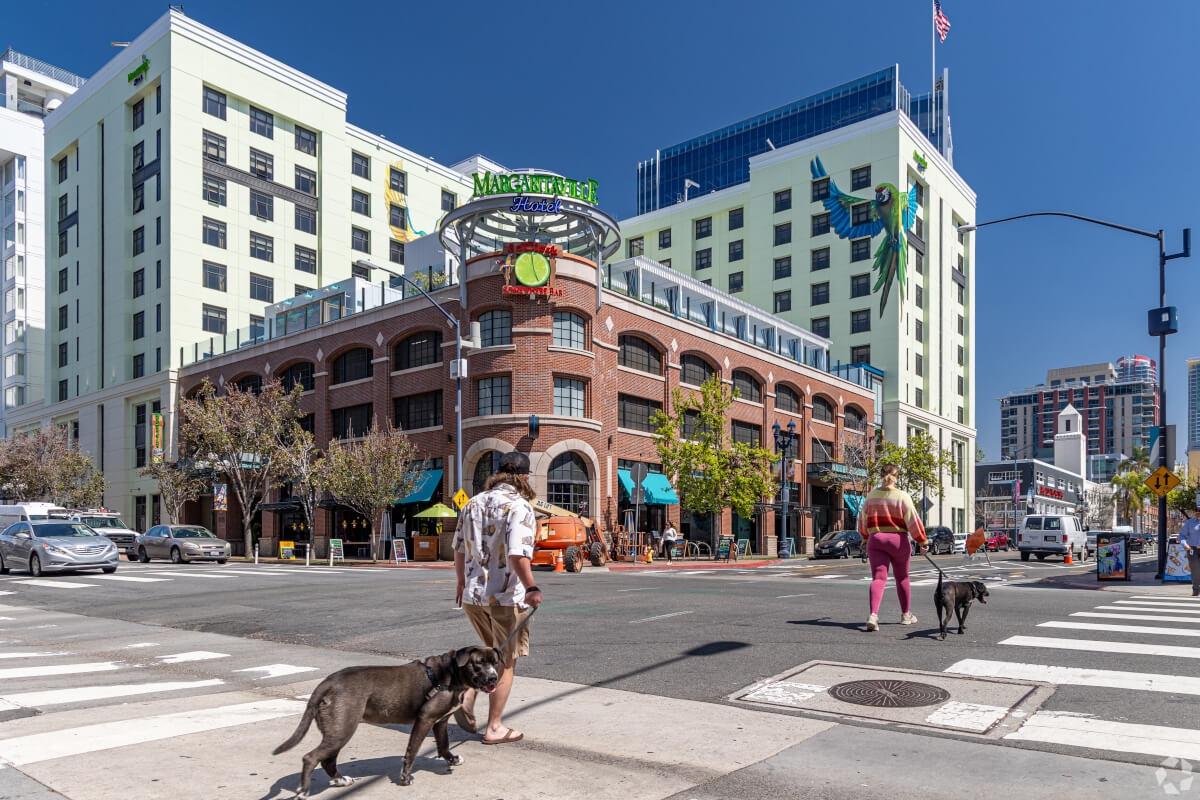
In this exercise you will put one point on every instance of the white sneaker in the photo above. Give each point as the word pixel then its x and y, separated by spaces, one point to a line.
pixel 873 622
pixel 908 619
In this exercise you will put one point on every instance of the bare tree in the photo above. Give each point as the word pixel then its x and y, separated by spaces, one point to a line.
pixel 178 485
pixel 303 466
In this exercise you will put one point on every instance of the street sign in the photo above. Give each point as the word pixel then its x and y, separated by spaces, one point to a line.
pixel 460 499
pixel 925 505
pixel 1162 481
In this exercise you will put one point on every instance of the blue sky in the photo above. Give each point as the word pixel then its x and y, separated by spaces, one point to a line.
pixel 1080 105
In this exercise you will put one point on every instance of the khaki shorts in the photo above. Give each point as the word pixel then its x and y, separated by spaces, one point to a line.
pixel 495 622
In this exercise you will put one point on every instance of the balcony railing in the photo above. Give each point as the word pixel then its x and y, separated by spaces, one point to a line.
pixel 42 68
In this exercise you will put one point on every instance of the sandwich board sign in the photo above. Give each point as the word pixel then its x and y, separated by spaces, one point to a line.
pixel 336 551
pixel 287 550
pixel 399 551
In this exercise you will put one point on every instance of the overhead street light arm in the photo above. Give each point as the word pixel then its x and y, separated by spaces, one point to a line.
pixel 1066 214
pixel 362 262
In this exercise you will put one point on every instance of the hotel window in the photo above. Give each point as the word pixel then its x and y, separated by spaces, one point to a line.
pixel 396 216
pixel 919 228
pixel 139 240
pixel 262 122
pixel 820 259
pixel 962 264
pixel 360 202
pixel 63 208
pixel 495 328
pixel 961 325
pixel 919 398
pixel 860 321
pixel 860 250
pixel 783 302
pixel 306 260
pixel 417 411
pixel 783 268
pixel 635 413
pixel 919 365
pixel 302 289
pixel 569 395
pixel 214 276
pixel 395 251
pixel 920 193
pixel 360 165
pixel 419 350
pixel 666 262
pixel 139 365
pixel 962 390
pixel 262 247
pixel 820 326
pixel 352 365
pixel 637 353
pixel 300 374
pixel 262 288
pixel 820 294
pixel 703 258
pixel 262 165
pixel 860 285
pixel 139 198
pixel 360 240
pixel 747 386
pixel 735 282
pixel 449 200
pixel 746 433
pixel 569 330
pixel 703 228
pixel 694 370
pixel 63 356
pixel 919 330
pixel 919 297
pixel 306 181
pixel 306 220
pixel 820 224
pixel 262 205
pixel 139 156
pixel 493 395
pixel 213 319
pixel 787 399
pixel 306 140
pixel 139 325
pixel 214 102
pixel 962 357
pixel 961 416
pixel 64 317
pixel 258 329
pixel 860 178
pixel 360 272
pixel 783 233
pixel 820 189
pixel 918 262
pixel 397 180
pixel 783 200
pixel 860 354
pixel 664 239
pixel 215 148
pixel 635 247
pixel 736 219
pixel 63 280
pixel 62 170
pixel 62 243
pixel 822 409
pixel 352 422
pixel 735 250
pixel 961 292
pixel 860 214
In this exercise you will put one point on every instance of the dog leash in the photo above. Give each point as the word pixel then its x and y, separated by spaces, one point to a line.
pixel 935 566
pixel 504 646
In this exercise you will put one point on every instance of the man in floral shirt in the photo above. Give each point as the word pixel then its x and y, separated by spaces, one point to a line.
pixel 492 548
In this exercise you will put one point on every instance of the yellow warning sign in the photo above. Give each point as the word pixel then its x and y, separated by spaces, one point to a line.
pixel 1162 481
pixel 460 499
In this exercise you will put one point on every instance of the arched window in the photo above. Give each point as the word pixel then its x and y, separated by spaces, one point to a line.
pixel 300 374
pixel 351 365
pixel 418 350
pixel 250 383
pixel 694 370
pixel 568 485
pixel 855 419
pixel 568 330
pixel 495 327
pixel 747 386
pixel 822 409
pixel 787 398
pixel 639 354
pixel 485 467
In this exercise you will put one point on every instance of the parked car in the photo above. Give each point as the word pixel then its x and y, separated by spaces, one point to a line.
pixel 839 544
pixel 940 539
pixel 1142 542
pixel 181 544
pixel 960 542
pixel 109 525
pixel 1051 534
pixel 997 541
pixel 54 545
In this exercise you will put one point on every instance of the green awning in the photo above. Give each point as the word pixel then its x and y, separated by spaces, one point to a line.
pixel 626 481
pixel 427 483
pixel 853 502
pixel 659 491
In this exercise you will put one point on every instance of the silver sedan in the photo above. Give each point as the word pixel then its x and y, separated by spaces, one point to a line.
pixel 181 544
pixel 52 545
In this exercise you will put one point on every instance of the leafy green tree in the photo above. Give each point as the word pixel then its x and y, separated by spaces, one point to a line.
pixel 1183 497
pixel 1131 494
pixel 710 471
pixel 44 464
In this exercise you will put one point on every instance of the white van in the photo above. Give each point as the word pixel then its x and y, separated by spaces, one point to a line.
pixel 25 512
pixel 1042 535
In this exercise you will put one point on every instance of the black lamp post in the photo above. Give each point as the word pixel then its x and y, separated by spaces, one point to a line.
pixel 784 437
pixel 1162 323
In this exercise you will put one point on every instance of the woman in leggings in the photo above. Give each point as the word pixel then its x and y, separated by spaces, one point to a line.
pixel 887 521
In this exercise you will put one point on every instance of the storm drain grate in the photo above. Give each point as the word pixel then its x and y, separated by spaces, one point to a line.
pixel 889 693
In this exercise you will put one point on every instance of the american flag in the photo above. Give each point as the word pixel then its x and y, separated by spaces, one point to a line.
pixel 940 21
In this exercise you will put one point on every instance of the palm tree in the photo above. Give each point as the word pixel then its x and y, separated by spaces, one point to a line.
pixel 1140 460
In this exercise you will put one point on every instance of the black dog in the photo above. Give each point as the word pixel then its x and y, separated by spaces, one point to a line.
pixel 956 595
pixel 423 694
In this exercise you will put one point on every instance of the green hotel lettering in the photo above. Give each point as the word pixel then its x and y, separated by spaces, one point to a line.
pixel 487 183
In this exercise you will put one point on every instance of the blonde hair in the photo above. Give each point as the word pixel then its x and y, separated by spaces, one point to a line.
pixel 890 472
pixel 513 479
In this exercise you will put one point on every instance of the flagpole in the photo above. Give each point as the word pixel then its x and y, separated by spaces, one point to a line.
pixel 932 71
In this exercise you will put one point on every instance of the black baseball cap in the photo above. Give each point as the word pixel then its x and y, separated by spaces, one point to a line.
pixel 514 463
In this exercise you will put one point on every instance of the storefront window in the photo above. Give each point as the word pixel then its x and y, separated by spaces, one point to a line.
pixel 694 370
pixel 639 354
pixel 822 409
pixel 568 485
pixel 418 350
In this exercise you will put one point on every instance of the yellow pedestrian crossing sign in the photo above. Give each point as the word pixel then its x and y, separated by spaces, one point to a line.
pixel 1162 481
pixel 460 499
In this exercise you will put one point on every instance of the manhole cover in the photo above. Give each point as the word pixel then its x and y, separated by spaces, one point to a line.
pixel 889 693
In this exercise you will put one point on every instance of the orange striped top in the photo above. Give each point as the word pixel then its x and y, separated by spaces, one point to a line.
pixel 890 511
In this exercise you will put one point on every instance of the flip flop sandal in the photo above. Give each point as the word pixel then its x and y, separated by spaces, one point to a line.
pixel 508 738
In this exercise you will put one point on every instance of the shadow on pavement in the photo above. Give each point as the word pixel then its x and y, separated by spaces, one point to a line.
pixel 826 622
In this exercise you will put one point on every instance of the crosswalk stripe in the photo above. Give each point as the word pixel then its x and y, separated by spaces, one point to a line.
pixel 1149 609
pixel 1101 626
pixel 1156 604
pixel 31 655
pixel 277 670
pixel 79 694
pixel 56 584
pixel 1195 601
pixel 923 582
pixel 59 669
pixel 1097 646
pixel 1061 727
pixel 186 574
pixel 193 655
pixel 39 747
pixel 129 578
pixel 1144 617
pixel 1076 676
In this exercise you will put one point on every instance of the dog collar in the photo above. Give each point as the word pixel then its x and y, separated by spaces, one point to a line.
pixel 434 686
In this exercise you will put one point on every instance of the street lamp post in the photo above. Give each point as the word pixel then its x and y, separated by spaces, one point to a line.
pixel 1162 324
pixel 459 363
pixel 784 437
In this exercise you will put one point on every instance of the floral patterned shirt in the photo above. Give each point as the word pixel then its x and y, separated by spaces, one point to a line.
pixel 491 527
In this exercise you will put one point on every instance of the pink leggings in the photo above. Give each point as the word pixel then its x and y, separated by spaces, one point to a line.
pixel 884 549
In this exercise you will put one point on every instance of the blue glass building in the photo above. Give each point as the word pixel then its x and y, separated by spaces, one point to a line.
pixel 721 158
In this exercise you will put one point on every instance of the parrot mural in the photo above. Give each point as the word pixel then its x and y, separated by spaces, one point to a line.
pixel 891 212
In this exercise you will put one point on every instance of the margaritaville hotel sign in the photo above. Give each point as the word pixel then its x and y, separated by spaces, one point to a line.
pixel 554 189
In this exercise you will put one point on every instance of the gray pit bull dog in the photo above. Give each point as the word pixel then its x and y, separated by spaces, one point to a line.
pixel 423 694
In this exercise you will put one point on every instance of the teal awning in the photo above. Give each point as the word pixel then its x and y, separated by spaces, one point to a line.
pixel 853 502
pixel 427 483
pixel 626 481
pixel 659 491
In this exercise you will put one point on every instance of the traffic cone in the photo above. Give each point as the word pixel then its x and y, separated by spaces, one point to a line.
pixel 558 562
pixel 1069 560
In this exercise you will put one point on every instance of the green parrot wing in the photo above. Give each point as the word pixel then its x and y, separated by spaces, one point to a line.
pixel 910 205
pixel 840 205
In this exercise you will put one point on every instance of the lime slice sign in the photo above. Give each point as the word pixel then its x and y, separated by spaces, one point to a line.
pixel 532 269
